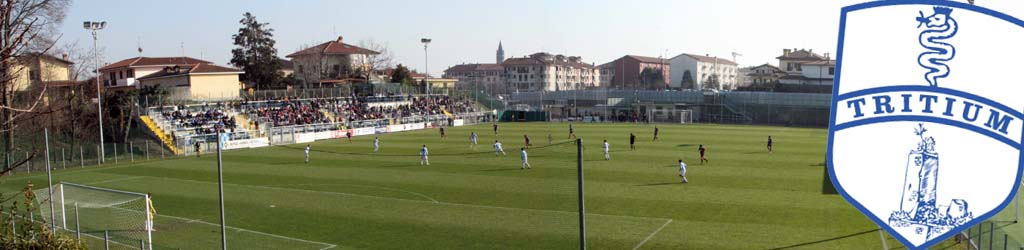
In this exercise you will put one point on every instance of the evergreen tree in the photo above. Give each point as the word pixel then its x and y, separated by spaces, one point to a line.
pixel 402 75
pixel 255 53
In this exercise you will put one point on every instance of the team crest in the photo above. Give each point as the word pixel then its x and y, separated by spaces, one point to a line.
pixel 925 131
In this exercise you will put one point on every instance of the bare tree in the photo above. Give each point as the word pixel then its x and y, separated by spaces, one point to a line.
pixel 377 62
pixel 26 26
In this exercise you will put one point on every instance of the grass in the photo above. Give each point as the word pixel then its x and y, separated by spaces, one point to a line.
pixel 351 198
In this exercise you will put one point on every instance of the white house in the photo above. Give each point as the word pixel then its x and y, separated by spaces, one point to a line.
pixel 701 70
pixel 812 73
pixel 123 74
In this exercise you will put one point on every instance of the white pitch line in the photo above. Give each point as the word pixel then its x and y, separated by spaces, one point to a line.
pixel 652 235
pixel 238 229
pixel 407 200
pixel 116 180
pixel 368 186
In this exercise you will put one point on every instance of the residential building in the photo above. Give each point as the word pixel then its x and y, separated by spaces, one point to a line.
pixel 812 73
pixel 764 73
pixel 791 60
pixel 625 72
pixel 35 69
pixel 547 72
pixel 196 82
pixel 332 62
pixel 701 72
pixel 488 77
pixel 123 74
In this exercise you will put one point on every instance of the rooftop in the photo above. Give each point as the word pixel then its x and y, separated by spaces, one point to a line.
pixel 335 47
pixel 154 61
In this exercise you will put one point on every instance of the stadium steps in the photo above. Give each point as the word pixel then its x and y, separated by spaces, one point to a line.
pixel 160 134
pixel 330 115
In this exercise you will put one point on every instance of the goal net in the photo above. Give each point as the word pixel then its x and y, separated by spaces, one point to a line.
pixel 97 212
pixel 686 116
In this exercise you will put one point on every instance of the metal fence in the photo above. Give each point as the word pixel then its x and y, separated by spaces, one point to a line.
pixel 66 155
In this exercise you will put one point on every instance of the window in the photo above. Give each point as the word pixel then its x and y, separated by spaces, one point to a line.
pixel 831 70
pixel 131 73
pixel 113 76
pixel 120 75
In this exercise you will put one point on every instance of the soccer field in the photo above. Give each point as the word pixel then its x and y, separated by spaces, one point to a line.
pixel 348 197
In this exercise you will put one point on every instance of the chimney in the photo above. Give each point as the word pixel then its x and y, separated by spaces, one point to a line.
pixel 340 38
pixel 785 52
pixel 65 56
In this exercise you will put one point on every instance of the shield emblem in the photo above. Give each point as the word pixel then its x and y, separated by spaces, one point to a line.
pixel 925 130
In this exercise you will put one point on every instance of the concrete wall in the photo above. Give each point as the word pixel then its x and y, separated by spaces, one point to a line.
pixel 214 87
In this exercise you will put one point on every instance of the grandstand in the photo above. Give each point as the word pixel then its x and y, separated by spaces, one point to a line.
pixel 271 121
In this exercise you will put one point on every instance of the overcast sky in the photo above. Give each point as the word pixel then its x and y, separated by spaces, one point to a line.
pixel 468 31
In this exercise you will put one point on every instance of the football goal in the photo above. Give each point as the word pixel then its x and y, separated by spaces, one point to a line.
pixel 122 216
pixel 686 116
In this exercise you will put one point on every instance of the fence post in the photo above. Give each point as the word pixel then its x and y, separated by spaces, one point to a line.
pixel 78 227
pixel 63 162
pixel 131 150
pixel 106 240
pixel 81 156
pixel 115 153
pixel 1006 242
pixel 147 150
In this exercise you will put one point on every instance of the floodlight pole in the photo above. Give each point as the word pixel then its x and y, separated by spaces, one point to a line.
pixel 49 178
pixel 94 27
pixel 220 184
pixel 426 63
pixel 579 176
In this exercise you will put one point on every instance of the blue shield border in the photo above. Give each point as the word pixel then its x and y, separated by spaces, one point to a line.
pixel 835 100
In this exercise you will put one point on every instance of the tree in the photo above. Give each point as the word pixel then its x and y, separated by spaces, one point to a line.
pixel 255 53
pixel 687 82
pixel 26 27
pixel 651 78
pixel 711 82
pixel 376 62
pixel 402 75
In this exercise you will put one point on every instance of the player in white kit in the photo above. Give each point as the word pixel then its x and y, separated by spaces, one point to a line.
pixel 497 148
pixel 682 171
pixel 526 163
pixel 423 156
pixel 376 144
pixel 606 155
pixel 472 139
pixel 307 153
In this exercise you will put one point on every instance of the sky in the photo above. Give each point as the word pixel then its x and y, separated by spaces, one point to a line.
pixel 468 31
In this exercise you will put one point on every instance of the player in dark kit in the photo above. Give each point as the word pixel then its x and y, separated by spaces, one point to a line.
pixel 702 149
pixel 655 133
pixel 769 144
pixel 632 141
pixel 443 135
pixel 572 133
pixel 495 128
pixel 349 135
pixel 527 139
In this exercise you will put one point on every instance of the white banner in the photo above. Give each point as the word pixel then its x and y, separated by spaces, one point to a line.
pixel 457 122
pixel 247 143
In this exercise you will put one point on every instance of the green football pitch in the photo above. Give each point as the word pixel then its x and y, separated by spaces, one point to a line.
pixel 348 197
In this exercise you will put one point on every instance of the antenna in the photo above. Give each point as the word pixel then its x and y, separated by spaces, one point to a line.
pixel 182 49
pixel 734 55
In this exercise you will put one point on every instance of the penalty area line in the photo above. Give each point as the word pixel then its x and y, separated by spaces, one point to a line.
pixel 652 235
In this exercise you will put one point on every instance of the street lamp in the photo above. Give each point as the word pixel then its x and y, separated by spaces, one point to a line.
pixel 94 27
pixel 426 62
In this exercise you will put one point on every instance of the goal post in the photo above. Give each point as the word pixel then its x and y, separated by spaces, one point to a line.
pixel 685 116
pixel 93 211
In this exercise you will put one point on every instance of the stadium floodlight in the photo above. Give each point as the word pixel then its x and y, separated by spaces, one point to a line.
pixel 426 63
pixel 95 27
pixel 89 210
